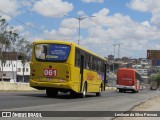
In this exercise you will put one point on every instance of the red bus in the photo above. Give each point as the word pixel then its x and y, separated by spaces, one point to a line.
pixel 128 79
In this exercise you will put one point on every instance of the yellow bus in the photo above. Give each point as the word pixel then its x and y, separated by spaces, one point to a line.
pixel 66 67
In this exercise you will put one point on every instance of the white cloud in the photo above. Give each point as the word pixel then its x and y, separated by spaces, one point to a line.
pixel 60 34
pixel 117 28
pixel 109 29
pixel 146 23
pixel 117 19
pixel 19 28
pixel 13 7
pixel 152 6
pixel 81 13
pixel 70 23
pixel 141 5
pixel 30 24
pixel 10 7
pixel 66 31
pixel 26 3
pixel 156 47
pixel 94 1
pixel 52 8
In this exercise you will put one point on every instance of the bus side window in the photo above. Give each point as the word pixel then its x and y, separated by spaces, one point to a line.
pixel 77 58
pixel 102 66
pixel 99 65
pixel 91 62
pixel 87 61
pixel 94 63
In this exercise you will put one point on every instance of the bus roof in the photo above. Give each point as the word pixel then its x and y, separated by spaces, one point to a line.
pixel 68 43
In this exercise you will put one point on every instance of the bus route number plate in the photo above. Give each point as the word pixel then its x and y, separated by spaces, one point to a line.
pixel 50 72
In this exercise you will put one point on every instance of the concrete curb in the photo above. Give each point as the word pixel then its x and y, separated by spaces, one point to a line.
pixel 15 86
pixel 7 86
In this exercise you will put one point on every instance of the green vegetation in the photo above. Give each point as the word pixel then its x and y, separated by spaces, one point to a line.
pixel 11 41
pixel 155 78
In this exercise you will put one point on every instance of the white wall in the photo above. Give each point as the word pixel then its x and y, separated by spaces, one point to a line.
pixel 20 68
pixel 16 66
pixel 9 66
pixel 142 71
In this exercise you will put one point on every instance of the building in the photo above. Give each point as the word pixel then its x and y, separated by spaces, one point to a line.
pixel 110 57
pixel 142 68
pixel 12 69
pixel 143 72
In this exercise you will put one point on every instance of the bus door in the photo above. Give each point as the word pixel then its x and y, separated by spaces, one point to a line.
pixel 81 71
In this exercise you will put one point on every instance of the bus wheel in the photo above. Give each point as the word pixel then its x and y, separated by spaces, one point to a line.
pixel 134 91
pixel 72 93
pixel 100 91
pixel 120 90
pixel 51 92
pixel 83 94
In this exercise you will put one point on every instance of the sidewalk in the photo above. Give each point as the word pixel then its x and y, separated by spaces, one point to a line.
pixel 150 105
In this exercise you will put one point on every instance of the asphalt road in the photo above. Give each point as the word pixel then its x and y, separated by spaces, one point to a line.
pixel 38 101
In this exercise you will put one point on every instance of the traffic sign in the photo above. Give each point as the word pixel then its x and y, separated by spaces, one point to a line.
pixel 153 54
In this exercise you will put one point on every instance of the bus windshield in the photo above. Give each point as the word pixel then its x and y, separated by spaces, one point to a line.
pixel 52 52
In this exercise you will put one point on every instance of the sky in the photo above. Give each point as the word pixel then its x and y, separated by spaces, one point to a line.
pixel 132 24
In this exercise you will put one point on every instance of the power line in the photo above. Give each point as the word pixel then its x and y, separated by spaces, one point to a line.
pixel 26 24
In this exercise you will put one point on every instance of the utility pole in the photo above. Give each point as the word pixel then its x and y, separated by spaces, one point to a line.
pixel 119 49
pixel 79 29
pixel 114 56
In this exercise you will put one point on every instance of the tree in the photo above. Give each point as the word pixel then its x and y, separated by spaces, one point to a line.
pixel 158 79
pixel 155 78
pixel 3 26
pixel 24 48
pixel 8 36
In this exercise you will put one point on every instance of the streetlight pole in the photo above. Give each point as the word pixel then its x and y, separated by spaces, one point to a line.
pixel 114 56
pixel 79 19
pixel 119 49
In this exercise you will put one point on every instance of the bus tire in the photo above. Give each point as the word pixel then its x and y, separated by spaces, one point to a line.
pixel 124 90
pixel 50 92
pixel 134 91
pixel 73 94
pixel 120 90
pixel 100 91
pixel 83 94
pixel 137 91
